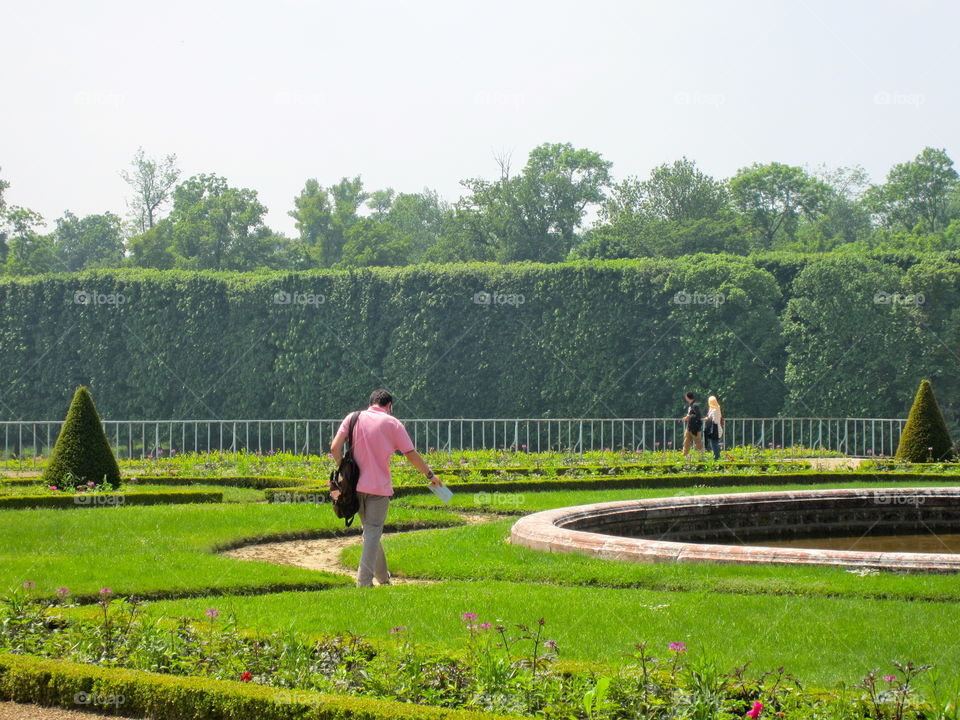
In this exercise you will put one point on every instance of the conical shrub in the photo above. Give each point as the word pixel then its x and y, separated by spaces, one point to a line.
pixel 82 449
pixel 925 436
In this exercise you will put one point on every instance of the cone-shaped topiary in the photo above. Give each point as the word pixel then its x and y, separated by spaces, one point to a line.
pixel 925 436
pixel 82 449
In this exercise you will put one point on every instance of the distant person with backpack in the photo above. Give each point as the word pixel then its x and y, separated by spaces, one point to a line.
pixel 694 424
pixel 713 426
pixel 376 436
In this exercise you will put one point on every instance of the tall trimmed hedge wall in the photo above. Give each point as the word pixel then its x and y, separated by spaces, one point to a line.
pixel 795 334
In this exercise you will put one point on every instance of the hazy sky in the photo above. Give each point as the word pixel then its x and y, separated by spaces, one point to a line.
pixel 424 94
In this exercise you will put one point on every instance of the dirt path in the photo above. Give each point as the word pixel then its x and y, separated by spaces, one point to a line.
pixel 16 711
pixel 835 463
pixel 324 554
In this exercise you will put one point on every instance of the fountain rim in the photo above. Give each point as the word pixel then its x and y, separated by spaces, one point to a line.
pixel 547 531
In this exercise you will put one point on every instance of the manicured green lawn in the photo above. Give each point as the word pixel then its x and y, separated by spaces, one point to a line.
pixel 522 503
pixel 822 624
pixel 483 552
pixel 821 640
pixel 164 548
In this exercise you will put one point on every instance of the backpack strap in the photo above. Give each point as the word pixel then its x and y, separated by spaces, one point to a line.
pixel 353 424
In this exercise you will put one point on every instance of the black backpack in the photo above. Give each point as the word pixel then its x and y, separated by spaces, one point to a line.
pixel 343 480
pixel 695 424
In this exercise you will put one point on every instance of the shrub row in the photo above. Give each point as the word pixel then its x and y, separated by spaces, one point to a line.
pixel 666 467
pixel 163 697
pixel 540 353
pixel 318 493
pixel 253 482
pixel 109 499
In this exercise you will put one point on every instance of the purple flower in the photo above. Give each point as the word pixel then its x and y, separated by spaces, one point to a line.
pixel 63 592
pixel 678 647
pixel 468 617
pixel 106 592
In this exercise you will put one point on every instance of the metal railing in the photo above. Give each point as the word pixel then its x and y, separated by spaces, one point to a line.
pixel 857 437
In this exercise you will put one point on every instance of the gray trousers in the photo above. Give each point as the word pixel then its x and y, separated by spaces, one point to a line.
pixel 373 562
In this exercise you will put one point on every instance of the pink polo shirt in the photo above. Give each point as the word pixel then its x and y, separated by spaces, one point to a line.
pixel 377 435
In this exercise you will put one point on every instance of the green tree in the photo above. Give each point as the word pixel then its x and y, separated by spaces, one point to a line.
pixel 917 194
pixel 535 215
pixel 152 182
pixel 29 252
pixel 153 248
pixel 313 213
pixel 925 437
pixel 370 242
pixel 843 216
pixel 773 197
pixel 218 227
pixel 3 212
pixel 680 192
pixel 82 451
pixel 94 241
pixel 420 219
pixel 677 211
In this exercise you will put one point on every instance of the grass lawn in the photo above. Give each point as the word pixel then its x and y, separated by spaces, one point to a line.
pixel 146 550
pixel 820 640
pixel 823 624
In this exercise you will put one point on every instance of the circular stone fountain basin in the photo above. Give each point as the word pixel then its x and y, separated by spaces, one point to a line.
pixel 694 528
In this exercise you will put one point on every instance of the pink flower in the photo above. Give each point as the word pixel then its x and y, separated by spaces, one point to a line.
pixel 757 709
pixel 54 488
pixel 678 647
pixel 670 444
pixel 212 612
pixel 397 630
pixel 485 626
pixel 105 592
pixel 468 617
pixel 889 678
pixel 63 592
pixel 90 483
pixel 869 452
pixel 29 584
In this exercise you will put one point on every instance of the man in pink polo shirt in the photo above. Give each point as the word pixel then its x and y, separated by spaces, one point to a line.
pixel 376 436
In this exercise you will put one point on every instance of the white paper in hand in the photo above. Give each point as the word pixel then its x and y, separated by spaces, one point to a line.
pixel 442 492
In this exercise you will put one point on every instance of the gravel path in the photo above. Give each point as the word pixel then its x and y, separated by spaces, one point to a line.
pixel 324 554
pixel 16 711
pixel 835 463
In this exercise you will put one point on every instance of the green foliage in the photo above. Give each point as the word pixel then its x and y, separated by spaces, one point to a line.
pixel 102 500
pixel 769 334
pixel 60 684
pixel 82 451
pixel 925 437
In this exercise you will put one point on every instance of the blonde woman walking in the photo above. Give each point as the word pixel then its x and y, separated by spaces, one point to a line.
pixel 713 426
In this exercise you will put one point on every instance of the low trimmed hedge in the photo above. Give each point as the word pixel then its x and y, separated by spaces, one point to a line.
pixel 253 482
pixel 166 697
pixel 638 482
pixel 109 499
pixel 551 470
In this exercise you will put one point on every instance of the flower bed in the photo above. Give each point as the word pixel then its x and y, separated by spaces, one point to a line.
pixel 500 668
